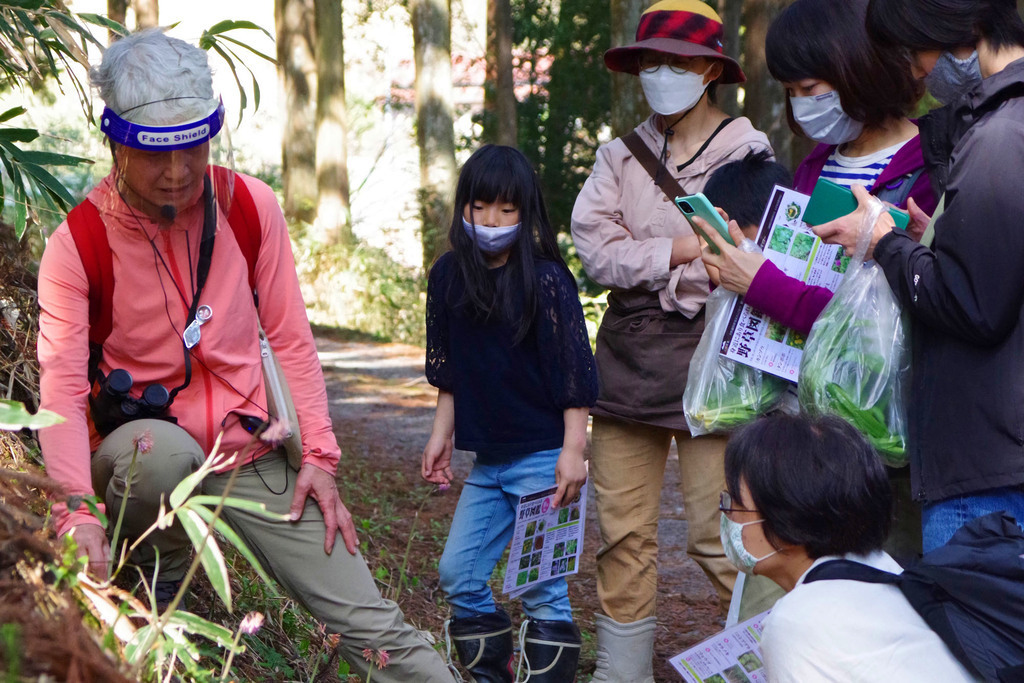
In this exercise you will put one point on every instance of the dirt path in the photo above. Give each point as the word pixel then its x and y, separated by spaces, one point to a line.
pixel 382 409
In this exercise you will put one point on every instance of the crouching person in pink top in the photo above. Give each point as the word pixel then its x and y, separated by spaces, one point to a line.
pixel 151 298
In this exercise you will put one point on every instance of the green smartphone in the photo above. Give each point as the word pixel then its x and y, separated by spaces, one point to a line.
pixel 830 201
pixel 698 205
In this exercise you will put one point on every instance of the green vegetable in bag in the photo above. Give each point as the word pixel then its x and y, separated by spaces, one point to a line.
pixel 856 359
pixel 722 394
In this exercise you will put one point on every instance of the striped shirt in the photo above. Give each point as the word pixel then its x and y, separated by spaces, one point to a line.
pixel 850 171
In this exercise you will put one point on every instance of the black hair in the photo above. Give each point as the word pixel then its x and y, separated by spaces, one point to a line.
pixel 945 24
pixel 816 482
pixel 499 173
pixel 827 40
pixel 743 187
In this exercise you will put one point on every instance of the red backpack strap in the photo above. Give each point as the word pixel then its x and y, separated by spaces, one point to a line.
pixel 243 217
pixel 90 235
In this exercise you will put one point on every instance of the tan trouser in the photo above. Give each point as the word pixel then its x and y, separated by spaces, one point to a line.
pixel 627 470
pixel 337 588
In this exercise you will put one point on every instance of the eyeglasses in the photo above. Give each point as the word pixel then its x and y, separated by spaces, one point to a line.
pixel 725 503
pixel 652 60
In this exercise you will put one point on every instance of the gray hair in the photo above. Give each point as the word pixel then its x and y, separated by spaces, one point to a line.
pixel 150 78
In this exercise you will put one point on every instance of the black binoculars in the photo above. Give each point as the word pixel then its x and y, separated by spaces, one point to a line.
pixel 112 406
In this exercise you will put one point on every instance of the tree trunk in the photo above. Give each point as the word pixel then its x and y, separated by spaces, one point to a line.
pixel 117 10
pixel 499 86
pixel 147 13
pixel 764 100
pixel 628 104
pixel 296 67
pixel 731 12
pixel 431 30
pixel 333 216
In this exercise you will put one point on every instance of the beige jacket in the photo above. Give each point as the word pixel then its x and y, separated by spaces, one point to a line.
pixel 623 224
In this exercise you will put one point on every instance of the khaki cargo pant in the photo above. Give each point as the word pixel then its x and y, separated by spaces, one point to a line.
pixel 337 588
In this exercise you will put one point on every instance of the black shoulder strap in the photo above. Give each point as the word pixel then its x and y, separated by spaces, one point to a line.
pixel 852 571
pixel 642 153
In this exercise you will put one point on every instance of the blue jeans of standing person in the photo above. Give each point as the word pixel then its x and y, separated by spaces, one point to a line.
pixel 481 529
pixel 941 519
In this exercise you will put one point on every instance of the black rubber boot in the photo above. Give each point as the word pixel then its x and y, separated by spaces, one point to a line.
pixel 552 651
pixel 484 646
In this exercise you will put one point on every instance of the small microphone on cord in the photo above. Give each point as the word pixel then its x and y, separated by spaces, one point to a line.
pixel 168 212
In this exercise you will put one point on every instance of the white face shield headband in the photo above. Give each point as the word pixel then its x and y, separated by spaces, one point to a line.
pixel 162 138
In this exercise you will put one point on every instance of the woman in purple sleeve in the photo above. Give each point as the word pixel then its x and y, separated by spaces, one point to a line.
pixel 852 96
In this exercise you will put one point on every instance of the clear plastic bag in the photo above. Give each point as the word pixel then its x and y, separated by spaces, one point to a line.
pixel 856 359
pixel 722 394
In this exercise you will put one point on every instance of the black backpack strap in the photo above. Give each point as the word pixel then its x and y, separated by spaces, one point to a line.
pixel 851 571
pixel 897 190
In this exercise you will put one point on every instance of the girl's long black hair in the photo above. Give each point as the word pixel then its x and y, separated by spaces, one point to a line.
pixel 500 173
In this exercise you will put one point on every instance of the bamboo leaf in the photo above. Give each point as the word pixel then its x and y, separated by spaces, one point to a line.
pixel 14 416
pixel 250 48
pixel 237 503
pixel 46 179
pixel 231 24
pixel 211 557
pixel 104 22
pixel 53 158
pixel 18 134
pixel 12 113
pixel 234 539
pixel 195 624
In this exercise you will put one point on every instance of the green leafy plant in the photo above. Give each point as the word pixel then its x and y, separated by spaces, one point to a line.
pixel 14 416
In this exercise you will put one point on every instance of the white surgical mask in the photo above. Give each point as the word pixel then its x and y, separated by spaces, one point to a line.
pixel 822 118
pixel 732 542
pixel 670 91
pixel 951 77
pixel 492 240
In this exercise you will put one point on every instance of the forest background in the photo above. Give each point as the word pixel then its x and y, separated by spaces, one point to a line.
pixel 371 106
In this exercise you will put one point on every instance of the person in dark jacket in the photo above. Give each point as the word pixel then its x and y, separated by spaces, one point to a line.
pixel 964 294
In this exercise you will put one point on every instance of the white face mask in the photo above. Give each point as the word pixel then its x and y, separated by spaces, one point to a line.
pixel 670 91
pixel 491 240
pixel 732 542
pixel 822 118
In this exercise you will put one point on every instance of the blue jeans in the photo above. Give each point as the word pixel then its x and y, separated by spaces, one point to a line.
pixel 940 520
pixel 481 530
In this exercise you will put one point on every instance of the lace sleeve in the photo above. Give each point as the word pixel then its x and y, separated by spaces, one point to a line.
pixel 438 368
pixel 566 358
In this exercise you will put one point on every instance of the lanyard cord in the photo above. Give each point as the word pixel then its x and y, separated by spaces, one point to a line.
pixel 202 269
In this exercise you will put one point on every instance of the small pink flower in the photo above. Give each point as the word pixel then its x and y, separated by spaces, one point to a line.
pixel 443 487
pixel 251 623
pixel 143 441
pixel 276 432
pixel 333 639
pixel 380 658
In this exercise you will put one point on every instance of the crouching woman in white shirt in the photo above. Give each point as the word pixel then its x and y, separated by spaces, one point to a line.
pixel 802 491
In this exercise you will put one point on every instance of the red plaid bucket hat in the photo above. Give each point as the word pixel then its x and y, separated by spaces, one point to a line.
pixel 688 28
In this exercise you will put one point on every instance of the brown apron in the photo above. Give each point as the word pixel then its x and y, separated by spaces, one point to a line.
pixel 643 356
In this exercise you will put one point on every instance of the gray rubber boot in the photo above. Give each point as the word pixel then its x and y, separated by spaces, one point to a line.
pixel 624 651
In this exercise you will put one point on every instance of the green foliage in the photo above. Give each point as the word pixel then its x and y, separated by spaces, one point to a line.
pixel 13 416
pixel 562 119
pixel 215 38
pixel 363 290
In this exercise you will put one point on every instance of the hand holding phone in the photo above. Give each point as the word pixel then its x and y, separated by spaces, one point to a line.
pixel 698 205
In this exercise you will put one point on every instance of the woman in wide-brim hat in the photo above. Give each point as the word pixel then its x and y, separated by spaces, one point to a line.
pixel 633 240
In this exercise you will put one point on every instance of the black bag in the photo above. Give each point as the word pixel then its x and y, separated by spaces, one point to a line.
pixel 969 591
